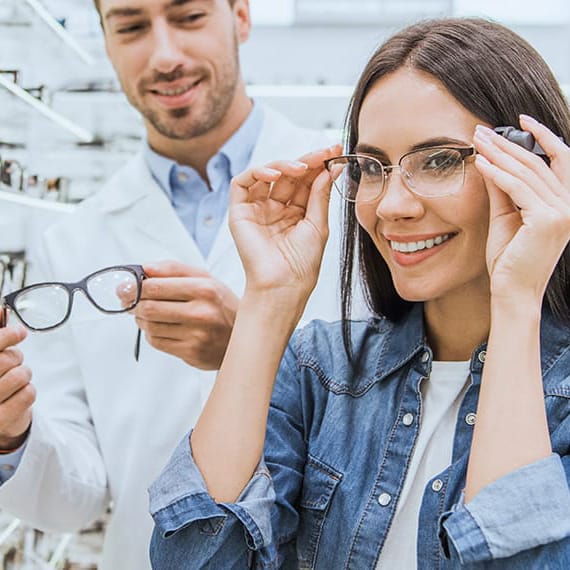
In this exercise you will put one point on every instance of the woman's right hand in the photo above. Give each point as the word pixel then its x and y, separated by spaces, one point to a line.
pixel 279 220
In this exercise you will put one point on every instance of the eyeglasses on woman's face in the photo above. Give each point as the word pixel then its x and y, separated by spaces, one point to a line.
pixel 428 172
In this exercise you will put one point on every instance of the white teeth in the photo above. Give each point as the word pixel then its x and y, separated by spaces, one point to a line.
pixel 412 246
pixel 174 92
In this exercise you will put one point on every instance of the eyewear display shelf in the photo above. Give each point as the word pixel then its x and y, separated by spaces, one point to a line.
pixel 22 547
pixel 7 194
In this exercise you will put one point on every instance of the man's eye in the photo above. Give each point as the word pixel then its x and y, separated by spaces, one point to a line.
pixel 134 28
pixel 191 18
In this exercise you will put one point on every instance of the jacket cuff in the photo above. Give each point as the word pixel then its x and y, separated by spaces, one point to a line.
pixel 179 497
pixel 522 510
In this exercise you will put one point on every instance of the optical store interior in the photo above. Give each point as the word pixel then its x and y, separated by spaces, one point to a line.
pixel 66 127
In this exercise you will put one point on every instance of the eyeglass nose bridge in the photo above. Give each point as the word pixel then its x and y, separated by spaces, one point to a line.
pixel 404 175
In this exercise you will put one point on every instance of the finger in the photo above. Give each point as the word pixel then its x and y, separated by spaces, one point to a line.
pixel 519 193
pixel 316 158
pixel 190 313
pixel 557 151
pixel 180 289
pixel 166 331
pixel 242 183
pixel 13 381
pixel 173 269
pixel 11 409
pixel 12 335
pixel 318 205
pixel 517 161
pixel 10 358
pixel 286 187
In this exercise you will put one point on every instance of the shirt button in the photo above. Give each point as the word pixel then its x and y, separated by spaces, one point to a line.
pixel 408 419
pixel 7 468
pixel 384 499
pixel 182 177
pixel 481 356
pixel 470 419
pixel 437 485
pixel 208 220
pixel 425 356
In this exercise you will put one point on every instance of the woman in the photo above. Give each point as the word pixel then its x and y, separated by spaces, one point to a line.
pixel 388 443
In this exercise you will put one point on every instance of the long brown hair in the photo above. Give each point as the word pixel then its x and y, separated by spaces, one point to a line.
pixel 494 74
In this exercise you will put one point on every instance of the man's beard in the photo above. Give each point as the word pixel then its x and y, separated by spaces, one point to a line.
pixel 175 123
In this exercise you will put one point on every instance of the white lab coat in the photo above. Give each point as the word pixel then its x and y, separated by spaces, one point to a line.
pixel 104 425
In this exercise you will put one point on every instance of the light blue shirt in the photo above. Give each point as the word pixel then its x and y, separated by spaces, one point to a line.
pixel 201 208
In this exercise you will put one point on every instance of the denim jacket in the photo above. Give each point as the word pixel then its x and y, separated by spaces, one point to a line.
pixel 336 442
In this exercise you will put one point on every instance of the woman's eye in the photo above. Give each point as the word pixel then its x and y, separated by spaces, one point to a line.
pixel 441 161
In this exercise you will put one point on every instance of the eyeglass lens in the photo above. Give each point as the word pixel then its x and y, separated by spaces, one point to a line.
pixel 426 172
pixel 113 291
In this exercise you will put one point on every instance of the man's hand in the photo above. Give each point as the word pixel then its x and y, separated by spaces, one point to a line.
pixel 187 313
pixel 16 392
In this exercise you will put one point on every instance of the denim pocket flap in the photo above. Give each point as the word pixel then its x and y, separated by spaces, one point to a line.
pixel 319 484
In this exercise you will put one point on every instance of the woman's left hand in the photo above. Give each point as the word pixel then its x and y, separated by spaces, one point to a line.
pixel 529 224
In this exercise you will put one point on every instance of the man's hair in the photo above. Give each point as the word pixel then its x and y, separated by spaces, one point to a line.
pixel 494 74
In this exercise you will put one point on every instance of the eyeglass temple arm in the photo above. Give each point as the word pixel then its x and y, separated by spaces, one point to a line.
pixel 4 316
pixel 138 345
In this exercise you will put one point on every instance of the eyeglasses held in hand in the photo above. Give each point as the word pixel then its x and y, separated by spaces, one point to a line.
pixel 46 306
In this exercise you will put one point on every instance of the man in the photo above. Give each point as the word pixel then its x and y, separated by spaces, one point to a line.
pixel 104 425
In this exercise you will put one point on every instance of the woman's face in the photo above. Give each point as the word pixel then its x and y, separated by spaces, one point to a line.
pixel 402 111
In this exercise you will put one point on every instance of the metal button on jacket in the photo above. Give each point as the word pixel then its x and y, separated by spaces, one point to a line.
pixel 437 485
pixel 384 499
pixel 470 419
pixel 408 419
pixel 481 356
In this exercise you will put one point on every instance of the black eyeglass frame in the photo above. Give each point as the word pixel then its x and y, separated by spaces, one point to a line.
pixel 9 301
pixel 464 152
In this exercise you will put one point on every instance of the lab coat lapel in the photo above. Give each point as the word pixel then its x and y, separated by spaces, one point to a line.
pixel 144 221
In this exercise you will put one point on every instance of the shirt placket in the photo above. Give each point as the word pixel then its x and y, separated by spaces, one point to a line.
pixel 381 506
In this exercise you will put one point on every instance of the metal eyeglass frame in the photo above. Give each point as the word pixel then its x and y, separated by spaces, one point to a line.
pixel 465 152
pixel 9 301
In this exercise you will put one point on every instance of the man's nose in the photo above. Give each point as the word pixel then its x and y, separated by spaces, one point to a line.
pixel 167 55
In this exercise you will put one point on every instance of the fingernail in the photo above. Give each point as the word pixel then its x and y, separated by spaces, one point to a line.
pixel 528 119
pixel 272 171
pixel 298 164
pixel 482 160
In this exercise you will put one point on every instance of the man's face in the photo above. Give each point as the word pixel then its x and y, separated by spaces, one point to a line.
pixel 177 60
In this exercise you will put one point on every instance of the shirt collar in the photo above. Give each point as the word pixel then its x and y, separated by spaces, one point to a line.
pixel 237 150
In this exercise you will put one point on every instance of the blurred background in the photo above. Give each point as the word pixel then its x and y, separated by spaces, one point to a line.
pixel 65 126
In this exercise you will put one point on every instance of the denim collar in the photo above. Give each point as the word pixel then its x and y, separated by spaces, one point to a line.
pixel 406 340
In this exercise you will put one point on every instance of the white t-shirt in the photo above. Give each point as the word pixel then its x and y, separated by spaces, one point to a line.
pixel 441 394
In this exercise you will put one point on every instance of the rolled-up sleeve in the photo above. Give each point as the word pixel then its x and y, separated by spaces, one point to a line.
pixel 179 501
pixel 525 509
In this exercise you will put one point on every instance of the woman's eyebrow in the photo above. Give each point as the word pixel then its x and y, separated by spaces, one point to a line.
pixel 370 149
pixel 428 143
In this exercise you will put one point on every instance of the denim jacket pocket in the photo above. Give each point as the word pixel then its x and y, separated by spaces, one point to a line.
pixel 319 484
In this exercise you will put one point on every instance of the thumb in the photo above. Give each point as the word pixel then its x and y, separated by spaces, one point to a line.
pixel 318 204
pixel 173 269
